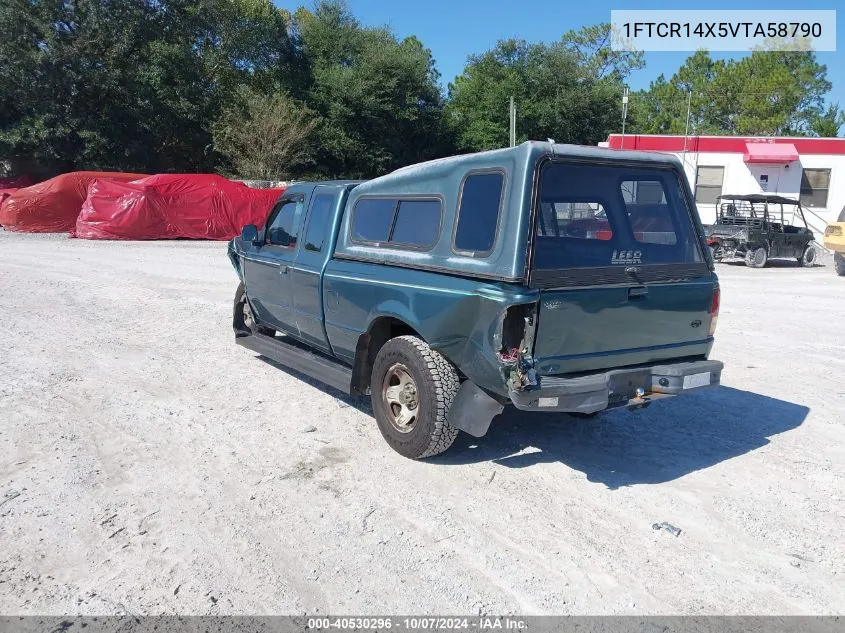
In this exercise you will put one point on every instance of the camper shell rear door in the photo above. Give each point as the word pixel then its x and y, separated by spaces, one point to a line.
pixel 618 258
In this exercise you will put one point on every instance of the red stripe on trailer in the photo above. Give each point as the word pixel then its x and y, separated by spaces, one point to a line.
pixel 726 144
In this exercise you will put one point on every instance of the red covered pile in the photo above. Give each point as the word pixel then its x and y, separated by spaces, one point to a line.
pixel 53 205
pixel 199 206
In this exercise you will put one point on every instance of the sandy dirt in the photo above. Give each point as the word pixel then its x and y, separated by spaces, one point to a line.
pixel 148 465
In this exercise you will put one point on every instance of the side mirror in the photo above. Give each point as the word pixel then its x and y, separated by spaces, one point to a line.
pixel 249 234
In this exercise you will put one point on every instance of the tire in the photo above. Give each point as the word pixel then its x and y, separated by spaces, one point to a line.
pixel 243 317
pixel 839 264
pixel 716 252
pixel 756 257
pixel 808 259
pixel 412 419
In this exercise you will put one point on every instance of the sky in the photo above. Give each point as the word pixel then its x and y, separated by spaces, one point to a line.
pixel 455 29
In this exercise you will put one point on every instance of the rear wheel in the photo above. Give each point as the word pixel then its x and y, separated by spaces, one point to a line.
pixel 413 387
pixel 839 264
pixel 756 257
pixel 808 259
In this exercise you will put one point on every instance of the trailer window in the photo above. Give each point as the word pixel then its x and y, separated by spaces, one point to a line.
pixel 815 184
pixel 478 214
pixel 708 184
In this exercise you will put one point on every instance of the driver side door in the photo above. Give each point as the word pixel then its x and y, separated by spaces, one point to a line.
pixel 266 267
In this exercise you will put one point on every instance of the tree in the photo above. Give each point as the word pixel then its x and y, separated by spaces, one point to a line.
pixel 265 136
pixel 378 97
pixel 130 84
pixel 570 90
pixel 770 92
pixel 829 122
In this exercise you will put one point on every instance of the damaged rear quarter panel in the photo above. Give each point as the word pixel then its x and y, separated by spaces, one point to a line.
pixel 461 318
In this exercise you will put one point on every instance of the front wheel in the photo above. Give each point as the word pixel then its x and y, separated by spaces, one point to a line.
pixel 756 257
pixel 243 317
pixel 808 259
pixel 839 264
pixel 412 388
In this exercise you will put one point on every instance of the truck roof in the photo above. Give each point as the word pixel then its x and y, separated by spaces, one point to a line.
pixel 522 155
pixel 443 180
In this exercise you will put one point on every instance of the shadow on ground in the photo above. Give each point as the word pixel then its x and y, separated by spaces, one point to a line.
pixel 775 263
pixel 360 403
pixel 669 439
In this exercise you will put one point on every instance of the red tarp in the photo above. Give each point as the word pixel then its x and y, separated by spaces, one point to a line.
pixel 5 193
pixel 51 206
pixel 14 182
pixel 199 206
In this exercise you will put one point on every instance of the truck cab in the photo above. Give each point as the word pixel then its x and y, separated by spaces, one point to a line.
pixel 546 277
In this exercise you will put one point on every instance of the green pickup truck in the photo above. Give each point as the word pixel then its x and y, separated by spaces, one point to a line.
pixel 547 277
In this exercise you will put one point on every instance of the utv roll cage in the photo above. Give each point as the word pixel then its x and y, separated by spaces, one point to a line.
pixel 753 210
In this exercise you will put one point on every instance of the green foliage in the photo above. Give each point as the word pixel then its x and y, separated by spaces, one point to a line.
pixel 265 136
pixel 190 85
pixel 828 123
pixel 770 92
pixel 378 97
pixel 129 84
pixel 570 90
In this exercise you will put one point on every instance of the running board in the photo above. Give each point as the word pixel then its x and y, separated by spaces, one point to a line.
pixel 301 359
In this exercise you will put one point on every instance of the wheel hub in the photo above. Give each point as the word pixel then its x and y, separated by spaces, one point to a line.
pixel 249 321
pixel 399 394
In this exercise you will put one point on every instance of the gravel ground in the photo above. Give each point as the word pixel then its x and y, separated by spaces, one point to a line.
pixel 148 465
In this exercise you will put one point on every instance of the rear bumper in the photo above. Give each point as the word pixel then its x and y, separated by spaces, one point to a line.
pixel 637 387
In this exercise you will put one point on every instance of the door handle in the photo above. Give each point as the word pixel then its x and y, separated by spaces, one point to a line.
pixel 283 270
pixel 637 291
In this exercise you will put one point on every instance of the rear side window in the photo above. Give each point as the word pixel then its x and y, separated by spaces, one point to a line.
pixel 417 223
pixel 321 208
pixel 593 216
pixel 388 221
pixel 478 214
pixel 373 219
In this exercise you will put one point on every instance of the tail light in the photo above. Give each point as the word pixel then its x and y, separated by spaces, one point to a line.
pixel 714 309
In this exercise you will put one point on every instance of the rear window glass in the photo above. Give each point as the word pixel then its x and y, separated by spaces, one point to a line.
pixel 586 220
pixel 373 219
pixel 417 223
pixel 478 215
pixel 596 216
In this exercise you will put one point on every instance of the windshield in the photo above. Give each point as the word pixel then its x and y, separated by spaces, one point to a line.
pixel 599 215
